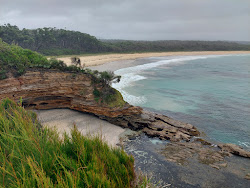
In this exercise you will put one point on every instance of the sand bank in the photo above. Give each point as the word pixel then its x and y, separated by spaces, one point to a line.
pixel 96 60
pixel 64 119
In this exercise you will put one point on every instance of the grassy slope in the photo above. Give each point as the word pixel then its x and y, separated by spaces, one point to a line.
pixel 35 157
pixel 16 60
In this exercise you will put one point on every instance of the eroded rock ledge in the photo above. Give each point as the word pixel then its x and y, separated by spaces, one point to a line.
pixel 50 89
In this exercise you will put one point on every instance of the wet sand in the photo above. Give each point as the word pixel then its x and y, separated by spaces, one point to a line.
pixel 95 60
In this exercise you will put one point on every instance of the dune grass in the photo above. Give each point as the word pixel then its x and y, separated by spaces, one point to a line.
pixel 32 156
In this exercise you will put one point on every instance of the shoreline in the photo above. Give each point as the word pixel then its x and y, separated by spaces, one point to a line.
pixel 128 60
pixel 96 60
pixel 63 121
pixel 231 169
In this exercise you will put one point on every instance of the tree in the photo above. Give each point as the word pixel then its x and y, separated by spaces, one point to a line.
pixel 108 77
pixel 77 62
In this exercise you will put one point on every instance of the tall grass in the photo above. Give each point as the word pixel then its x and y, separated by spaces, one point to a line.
pixel 32 156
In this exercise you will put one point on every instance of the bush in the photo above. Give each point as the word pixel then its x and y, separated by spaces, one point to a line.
pixel 114 99
pixel 96 93
pixel 17 60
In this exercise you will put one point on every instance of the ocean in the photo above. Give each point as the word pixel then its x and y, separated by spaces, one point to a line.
pixel 212 92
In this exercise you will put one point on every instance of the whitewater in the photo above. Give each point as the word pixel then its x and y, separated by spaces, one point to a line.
pixel 211 91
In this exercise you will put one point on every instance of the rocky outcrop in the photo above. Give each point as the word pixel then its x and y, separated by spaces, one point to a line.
pixel 48 89
pixel 182 152
pixel 156 125
pixel 234 149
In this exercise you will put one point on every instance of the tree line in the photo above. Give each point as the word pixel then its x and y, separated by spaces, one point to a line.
pixel 175 45
pixel 53 41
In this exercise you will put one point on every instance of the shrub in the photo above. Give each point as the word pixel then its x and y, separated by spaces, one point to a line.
pixel 114 99
pixel 96 93
pixel 17 60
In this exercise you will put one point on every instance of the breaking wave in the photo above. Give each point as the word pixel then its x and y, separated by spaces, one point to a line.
pixel 131 75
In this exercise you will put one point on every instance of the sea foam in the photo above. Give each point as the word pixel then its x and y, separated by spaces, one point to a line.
pixel 131 75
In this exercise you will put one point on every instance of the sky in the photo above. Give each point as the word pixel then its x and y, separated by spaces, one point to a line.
pixel 135 19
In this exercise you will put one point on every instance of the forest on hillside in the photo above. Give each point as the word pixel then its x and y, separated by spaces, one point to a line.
pixel 174 45
pixel 53 41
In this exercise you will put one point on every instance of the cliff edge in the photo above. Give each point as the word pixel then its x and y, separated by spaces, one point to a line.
pixel 49 89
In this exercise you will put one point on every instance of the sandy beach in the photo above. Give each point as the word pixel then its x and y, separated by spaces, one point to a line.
pixel 95 60
pixel 64 120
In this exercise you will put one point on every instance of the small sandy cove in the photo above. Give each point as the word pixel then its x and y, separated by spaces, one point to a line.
pixel 95 60
pixel 64 119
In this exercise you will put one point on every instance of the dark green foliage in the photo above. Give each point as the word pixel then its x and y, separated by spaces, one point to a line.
pixel 108 95
pixel 114 99
pixel 34 157
pixel 16 60
pixel 126 46
pixel 96 93
pixel 109 77
pixel 52 41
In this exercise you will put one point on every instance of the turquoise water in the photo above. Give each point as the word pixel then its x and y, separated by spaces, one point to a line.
pixel 210 92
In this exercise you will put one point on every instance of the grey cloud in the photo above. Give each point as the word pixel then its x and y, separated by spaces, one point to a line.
pixel 135 19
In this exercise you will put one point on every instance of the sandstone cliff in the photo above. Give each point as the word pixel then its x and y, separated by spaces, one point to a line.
pixel 48 89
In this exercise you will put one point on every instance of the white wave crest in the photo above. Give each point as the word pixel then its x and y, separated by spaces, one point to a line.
pixel 147 66
pixel 127 80
pixel 131 74
pixel 244 144
pixel 134 100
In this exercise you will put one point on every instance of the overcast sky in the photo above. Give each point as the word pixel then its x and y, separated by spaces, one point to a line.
pixel 135 19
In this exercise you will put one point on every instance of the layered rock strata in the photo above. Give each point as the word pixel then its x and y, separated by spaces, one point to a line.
pixel 49 89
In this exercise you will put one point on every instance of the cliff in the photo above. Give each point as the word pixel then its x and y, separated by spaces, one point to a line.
pixel 48 89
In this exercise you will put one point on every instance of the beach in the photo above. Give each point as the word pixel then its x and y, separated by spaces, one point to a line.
pixel 95 60
pixel 64 119
pixel 149 152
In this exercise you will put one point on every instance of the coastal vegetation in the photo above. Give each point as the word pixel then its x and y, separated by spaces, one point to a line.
pixel 32 156
pixel 35 156
pixel 53 41
pixel 174 46
pixel 16 61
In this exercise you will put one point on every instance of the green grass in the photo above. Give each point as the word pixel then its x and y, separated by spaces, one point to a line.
pixel 114 100
pixel 16 60
pixel 32 156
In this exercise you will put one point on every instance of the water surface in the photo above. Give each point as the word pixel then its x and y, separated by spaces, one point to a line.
pixel 210 92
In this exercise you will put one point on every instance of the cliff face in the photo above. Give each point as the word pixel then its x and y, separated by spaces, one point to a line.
pixel 50 89
pixel 53 89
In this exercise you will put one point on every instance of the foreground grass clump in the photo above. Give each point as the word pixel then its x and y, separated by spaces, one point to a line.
pixel 34 157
